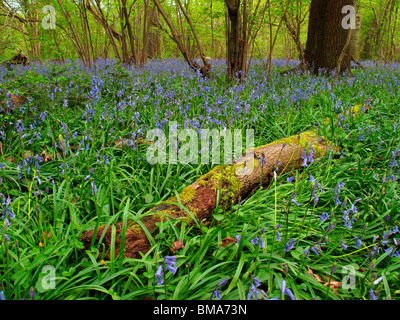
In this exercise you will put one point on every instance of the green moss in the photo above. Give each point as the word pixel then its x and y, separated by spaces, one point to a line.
pixel 306 140
pixel 354 111
pixel 174 210
pixel 135 228
pixel 187 194
pixel 223 178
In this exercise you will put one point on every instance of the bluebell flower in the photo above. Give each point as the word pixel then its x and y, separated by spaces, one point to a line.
pixel 323 217
pixel 216 294
pixel 252 290
pixel 32 293
pixel 238 236
pixel 283 287
pixel 94 187
pixel 220 284
pixel 316 199
pixel 377 281
pixel 262 160
pixel 295 202
pixel 159 274
pixel 315 251
pixel 170 261
pixel 254 241
pixel 290 294
pixel 172 269
pixel 310 156
pixel 257 282
pixel 304 163
pixel 358 242
pixel 289 245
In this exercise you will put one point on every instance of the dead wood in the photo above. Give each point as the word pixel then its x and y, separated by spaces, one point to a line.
pixel 197 202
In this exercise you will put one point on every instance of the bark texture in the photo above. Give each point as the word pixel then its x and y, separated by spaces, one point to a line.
pixel 198 201
pixel 327 39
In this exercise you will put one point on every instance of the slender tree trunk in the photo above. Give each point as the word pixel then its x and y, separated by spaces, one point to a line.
pixel 79 47
pixel 235 40
pixel 176 37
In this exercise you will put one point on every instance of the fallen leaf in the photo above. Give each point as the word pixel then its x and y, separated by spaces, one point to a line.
pixel 48 235
pixel 315 275
pixel 332 284
pixel 227 241
pixel 46 156
pixel 177 245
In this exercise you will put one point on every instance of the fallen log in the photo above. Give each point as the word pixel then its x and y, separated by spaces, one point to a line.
pixel 19 58
pixel 199 200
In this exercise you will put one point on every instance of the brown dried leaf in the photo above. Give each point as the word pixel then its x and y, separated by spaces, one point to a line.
pixel 227 241
pixel 177 245
pixel 46 156
pixel 315 275
pixel 333 285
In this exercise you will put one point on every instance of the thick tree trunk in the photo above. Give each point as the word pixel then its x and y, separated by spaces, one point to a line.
pixel 199 200
pixel 153 48
pixel 327 39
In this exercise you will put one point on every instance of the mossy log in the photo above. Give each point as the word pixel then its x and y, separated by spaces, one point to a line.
pixel 199 200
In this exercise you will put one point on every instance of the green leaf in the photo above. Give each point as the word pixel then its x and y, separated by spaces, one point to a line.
pixel 148 198
pixel 218 217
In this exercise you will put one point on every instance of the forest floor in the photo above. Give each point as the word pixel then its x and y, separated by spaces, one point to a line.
pixel 73 156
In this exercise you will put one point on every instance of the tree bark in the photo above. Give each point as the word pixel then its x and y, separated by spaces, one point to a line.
pixel 326 36
pixel 235 41
pixel 197 202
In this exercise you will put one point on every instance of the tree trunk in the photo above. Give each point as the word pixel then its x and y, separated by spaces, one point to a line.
pixel 153 48
pixel 177 38
pixel 199 200
pixel 327 39
pixel 236 42
pixel 355 38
